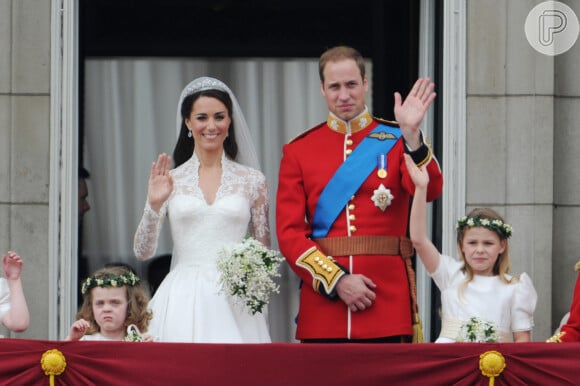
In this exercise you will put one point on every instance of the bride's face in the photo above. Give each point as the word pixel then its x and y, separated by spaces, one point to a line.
pixel 209 122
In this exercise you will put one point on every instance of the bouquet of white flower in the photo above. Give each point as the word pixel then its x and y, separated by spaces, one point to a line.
pixel 478 331
pixel 133 334
pixel 247 271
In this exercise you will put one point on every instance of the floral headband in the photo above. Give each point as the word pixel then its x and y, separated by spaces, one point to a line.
pixel 502 229
pixel 110 280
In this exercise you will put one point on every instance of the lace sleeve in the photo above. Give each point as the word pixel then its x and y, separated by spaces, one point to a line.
pixel 147 234
pixel 260 227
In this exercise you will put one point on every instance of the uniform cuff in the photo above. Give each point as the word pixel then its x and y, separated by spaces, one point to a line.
pixel 324 270
pixel 422 155
pixel 333 295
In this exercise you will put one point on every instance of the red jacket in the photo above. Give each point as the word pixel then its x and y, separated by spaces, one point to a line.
pixel 307 164
pixel 570 332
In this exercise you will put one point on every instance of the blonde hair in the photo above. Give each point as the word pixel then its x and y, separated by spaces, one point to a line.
pixel 137 302
pixel 502 264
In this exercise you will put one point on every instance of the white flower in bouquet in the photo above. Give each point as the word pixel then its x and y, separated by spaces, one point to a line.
pixel 478 331
pixel 247 271
pixel 133 334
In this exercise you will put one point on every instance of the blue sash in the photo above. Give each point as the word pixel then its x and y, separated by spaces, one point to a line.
pixel 350 176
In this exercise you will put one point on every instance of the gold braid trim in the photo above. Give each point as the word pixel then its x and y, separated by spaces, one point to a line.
pixel 429 155
pixel 386 121
pixel 556 338
pixel 322 268
pixel 417 324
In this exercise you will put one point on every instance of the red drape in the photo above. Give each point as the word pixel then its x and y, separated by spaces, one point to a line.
pixel 287 364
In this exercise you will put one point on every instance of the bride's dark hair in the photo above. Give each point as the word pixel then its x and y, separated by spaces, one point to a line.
pixel 184 147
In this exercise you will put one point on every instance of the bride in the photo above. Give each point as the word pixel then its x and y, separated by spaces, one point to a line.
pixel 214 196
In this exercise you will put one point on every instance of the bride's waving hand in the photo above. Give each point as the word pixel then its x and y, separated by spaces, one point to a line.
pixel 160 182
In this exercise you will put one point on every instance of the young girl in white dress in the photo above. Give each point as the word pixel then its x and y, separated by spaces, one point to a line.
pixel 114 307
pixel 214 197
pixel 480 301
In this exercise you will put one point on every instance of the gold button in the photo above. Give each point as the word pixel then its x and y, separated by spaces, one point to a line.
pixel 352 217
pixel 325 267
pixel 348 151
pixel 349 142
pixel 352 228
pixel 351 207
pixel 329 269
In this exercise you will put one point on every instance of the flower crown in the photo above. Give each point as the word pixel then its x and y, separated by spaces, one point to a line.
pixel 502 229
pixel 110 280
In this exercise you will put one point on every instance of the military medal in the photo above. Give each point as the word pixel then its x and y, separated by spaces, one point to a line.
pixel 382 197
pixel 382 165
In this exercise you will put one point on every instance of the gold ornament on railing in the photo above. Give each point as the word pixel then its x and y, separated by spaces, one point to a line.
pixel 53 363
pixel 491 364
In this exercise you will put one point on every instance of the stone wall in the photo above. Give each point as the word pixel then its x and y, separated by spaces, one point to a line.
pixel 24 148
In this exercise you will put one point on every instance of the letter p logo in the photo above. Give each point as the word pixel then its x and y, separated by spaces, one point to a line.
pixel 551 22
pixel 552 28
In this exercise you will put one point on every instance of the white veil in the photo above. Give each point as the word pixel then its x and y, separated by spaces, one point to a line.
pixel 247 154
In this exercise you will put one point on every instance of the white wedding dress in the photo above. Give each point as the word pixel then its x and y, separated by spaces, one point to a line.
pixel 187 306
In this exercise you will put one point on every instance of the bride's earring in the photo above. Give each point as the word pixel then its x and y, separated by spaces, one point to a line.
pixel 189 135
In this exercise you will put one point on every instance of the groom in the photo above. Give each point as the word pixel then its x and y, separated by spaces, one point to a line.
pixel 342 209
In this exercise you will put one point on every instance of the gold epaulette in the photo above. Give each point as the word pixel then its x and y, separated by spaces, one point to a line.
pixel 302 134
pixel 322 268
pixel 577 266
pixel 387 122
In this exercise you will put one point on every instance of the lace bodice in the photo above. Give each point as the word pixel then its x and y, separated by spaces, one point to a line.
pixel 240 208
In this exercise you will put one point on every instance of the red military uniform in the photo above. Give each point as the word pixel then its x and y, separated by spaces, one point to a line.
pixel 308 163
pixel 570 332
